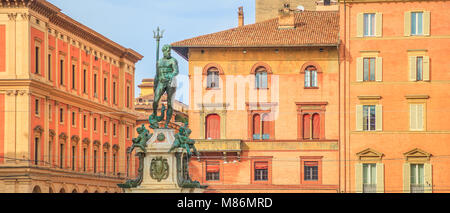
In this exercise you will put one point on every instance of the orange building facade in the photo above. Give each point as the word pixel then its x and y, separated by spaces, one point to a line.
pixel 395 86
pixel 264 110
pixel 66 103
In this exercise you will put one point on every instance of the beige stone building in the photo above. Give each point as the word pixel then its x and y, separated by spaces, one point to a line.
pixel 268 9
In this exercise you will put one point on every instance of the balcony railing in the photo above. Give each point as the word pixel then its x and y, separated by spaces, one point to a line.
pixel 369 188
pixel 417 188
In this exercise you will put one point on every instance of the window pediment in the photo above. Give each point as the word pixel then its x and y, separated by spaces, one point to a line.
pixel 416 155
pixel 369 154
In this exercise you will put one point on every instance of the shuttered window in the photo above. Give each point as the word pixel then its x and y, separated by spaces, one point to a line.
pixel 261 171
pixel 213 78
pixel 311 171
pixel 419 68
pixel 261 78
pixel 212 171
pixel 369 25
pixel 417 23
pixel 213 126
pixel 416 117
pixel 369 69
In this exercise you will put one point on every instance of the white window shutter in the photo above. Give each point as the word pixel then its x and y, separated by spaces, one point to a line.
pixel 406 178
pixel 379 69
pixel 358 178
pixel 379 24
pixel 428 178
pixel 379 117
pixel 426 68
pixel 420 117
pixel 359 69
pixel 380 178
pixel 412 116
pixel 360 25
pixel 407 24
pixel 426 23
pixel 412 68
pixel 359 117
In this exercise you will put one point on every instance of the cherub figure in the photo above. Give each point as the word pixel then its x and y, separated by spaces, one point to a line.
pixel 141 140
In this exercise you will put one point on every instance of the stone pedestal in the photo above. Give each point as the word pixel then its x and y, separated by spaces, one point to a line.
pixel 160 166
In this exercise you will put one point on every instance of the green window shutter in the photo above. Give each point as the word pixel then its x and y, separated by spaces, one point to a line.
pixel 428 178
pixel 358 178
pixel 426 68
pixel 379 69
pixel 380 178
pixel 360 25
pixel 407 24
pixel 379 118
pixel 426 23
pixel 359 117
pixel 379 24
pixel 359 69
pixel 406 178
pixel 413 68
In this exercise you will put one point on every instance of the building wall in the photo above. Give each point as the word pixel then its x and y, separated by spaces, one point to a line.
pixel 237 92
pixel 22 30
pixel 395 138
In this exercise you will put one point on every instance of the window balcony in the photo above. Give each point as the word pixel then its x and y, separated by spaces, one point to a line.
pixel 222 146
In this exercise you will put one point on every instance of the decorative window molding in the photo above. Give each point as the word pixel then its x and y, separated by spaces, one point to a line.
pixel 311 108
pixel 369 155
pixel 313 161
pixel 213 65
pixel 256 160
pixel 419 160
pixel 255 67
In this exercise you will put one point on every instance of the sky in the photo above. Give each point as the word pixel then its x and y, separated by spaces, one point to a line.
pixel 131 23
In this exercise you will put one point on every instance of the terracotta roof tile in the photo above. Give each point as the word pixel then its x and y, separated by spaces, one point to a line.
pixel 313 28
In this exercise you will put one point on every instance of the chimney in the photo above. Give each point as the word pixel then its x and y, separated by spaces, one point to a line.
pixel 286 18
pixel 241 16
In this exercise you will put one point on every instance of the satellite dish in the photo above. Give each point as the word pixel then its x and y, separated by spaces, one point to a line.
pixel 301 8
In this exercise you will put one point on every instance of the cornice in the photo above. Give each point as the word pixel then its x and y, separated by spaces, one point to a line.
pixel 56 17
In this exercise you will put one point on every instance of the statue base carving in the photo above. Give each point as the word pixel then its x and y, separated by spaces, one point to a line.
pixel 161 169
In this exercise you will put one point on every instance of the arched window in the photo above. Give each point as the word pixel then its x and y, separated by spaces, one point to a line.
pixel 316 126
pixel 212 78
pixel 306 126
pixel 310 77
pixel 37 189
pixel 261 78
pixel 212 127
pixel 62 190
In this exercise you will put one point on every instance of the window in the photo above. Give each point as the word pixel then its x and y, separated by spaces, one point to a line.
pixel 49 75
pixel 84 121
pixel 84 80
pixel 369 113
pixel 114 129
pixel 128 96
pixel 50 154
pixel 261 78
pixel 73 77
pixel 95 85
pixel 36 151
pixel 37 59
pixel 61 115
pixel 416 116
pixel 61 72
pixel 369 24
pixel 73 157
pixel 114 92
pixel 50 112
pixel 261 171
pixel 105 128
pixel 114 163
pixel 74 119
pixel 212 127
pixel 36 107
pixel 95 161
pixel 417 23
pixel 128 132
pixel 417 178
pixel 311 171
pixel 212 171
pixel 261 127
pixel 61 156
pixel 105 81
pixel 310 77
pixel 419 68
pixel 95 124
pixel 369 69
pixel 84 158
pixel 369 178
pixel 105 158
pixel 213 78
pixel 311 126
